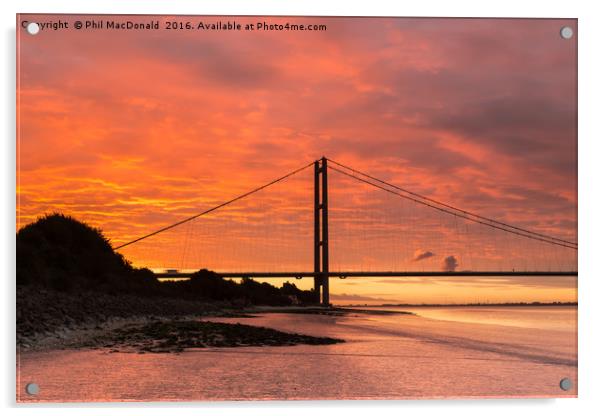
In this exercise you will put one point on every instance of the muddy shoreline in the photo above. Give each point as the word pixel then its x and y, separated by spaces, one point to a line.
pixel 175 336
pixel 49 320
pixel 44 315
pixel 156 334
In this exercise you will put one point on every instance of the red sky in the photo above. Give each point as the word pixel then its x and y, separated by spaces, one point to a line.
pixel 134 130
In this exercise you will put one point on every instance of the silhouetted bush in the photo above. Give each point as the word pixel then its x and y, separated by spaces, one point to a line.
pixel 63 253
pixel 206 284
pixel 66 255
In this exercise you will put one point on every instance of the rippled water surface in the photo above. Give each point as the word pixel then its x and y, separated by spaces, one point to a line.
pixel 440 352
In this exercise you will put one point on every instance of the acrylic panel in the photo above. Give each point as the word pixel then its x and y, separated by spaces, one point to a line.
pixel 221 208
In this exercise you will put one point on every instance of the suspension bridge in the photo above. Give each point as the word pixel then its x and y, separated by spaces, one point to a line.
pixel 378 230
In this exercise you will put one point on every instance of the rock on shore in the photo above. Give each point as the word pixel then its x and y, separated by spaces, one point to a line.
pixel 178 335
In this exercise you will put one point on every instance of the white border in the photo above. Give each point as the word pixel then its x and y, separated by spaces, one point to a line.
pixel 590 200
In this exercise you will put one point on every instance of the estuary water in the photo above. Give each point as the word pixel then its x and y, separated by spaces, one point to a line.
pixel 443 352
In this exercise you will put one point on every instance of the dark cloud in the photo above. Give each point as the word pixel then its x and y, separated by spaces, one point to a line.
pixel 491 116
pixel 450 263
pixel 421 151
pixel 226 63
pixel 421 255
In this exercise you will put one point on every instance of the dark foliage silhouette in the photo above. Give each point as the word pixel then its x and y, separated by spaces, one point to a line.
pixel 61 253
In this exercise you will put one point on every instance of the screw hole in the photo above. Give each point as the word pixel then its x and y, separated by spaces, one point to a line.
pixel 33 28
pixel 32 388
pixel 566 384
pixel 566 32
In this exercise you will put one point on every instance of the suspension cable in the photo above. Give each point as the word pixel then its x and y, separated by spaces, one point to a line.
pixel 522 230
pixel 238 198
pixel 466 217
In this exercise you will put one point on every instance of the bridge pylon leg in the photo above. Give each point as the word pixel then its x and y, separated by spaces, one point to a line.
pixel 317 238
pixel 324 205
pixel 321 266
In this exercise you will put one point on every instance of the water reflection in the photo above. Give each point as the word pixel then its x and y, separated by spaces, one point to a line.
pixel 385 357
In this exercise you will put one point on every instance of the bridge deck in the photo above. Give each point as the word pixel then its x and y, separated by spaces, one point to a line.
pixel 343 275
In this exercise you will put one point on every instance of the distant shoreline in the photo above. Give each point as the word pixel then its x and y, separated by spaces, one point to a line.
pixel 462 305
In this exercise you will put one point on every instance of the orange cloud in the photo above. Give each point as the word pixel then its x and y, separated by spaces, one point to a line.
pixel 132 131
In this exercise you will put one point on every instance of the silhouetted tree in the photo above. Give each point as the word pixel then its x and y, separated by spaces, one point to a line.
pixel 64 254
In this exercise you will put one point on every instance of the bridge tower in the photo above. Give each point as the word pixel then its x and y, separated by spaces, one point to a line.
pixel 321 268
